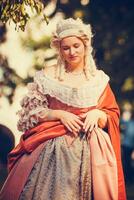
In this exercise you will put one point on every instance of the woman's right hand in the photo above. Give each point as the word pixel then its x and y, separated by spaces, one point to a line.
pixel 70 120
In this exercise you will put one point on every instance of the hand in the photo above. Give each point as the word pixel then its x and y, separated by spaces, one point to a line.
pixel 70 120
pixel 91 120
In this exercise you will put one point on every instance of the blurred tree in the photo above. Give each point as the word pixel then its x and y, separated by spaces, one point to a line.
pixel 2 32
pixel 8 79
pixel 17 11
pixel 113 28
pixel 114 42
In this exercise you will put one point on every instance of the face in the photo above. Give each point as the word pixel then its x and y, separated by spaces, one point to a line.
pixel 73 50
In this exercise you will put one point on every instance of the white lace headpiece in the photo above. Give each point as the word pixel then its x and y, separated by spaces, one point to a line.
pixel 71 27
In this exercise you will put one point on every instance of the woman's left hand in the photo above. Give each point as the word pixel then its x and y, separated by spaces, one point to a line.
pixel 91 119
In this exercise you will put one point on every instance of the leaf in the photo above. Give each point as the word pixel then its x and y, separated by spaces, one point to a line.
pixel 15 10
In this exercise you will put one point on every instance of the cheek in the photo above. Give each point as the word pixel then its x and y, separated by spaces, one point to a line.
pixel 64 54
pixel 82 50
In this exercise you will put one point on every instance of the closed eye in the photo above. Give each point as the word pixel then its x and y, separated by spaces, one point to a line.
pixel 76 45
pixel 65 48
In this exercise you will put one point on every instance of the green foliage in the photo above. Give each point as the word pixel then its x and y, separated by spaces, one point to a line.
pixel 16 10
pixel 113 29
pixel 29 42
pixel 8 79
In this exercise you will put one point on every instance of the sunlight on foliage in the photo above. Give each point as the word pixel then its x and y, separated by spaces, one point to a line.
pixel 16 11
pixel 129 84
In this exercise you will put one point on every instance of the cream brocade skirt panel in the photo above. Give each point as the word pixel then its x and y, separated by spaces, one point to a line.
pixel 61 172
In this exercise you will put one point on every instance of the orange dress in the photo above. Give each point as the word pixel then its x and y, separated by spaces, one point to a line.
pixel 106 166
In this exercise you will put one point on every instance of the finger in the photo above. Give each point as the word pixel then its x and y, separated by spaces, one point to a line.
pixel 96 125
pixel 72 127
pixel 75 133
pixel 86 122
pixel 87 125
pixel 76 125
pixel 89 135
pixel 68 127
pixel 91 127
pixel 83 115
pixel 76 116
pixel 79 122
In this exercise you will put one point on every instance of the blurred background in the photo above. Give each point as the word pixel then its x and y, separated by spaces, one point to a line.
pixel 22 53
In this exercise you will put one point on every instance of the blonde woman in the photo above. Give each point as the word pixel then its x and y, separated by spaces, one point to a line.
pixel 70 149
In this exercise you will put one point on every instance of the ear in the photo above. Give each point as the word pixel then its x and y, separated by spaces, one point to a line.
pixel 55 42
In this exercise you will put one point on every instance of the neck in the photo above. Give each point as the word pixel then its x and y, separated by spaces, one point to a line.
pixel 74 68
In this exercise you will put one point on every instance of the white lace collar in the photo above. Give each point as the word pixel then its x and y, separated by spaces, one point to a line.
pixel 84 96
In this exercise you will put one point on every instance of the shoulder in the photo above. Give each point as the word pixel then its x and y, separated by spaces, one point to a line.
pixel 49 71
pixel 101 73
pixel 40 79
pixel 40 75
pixel 101 76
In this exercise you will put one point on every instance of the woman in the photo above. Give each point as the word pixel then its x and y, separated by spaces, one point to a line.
pixel 64 152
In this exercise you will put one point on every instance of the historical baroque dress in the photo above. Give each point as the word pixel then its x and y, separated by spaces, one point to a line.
pixel 50 163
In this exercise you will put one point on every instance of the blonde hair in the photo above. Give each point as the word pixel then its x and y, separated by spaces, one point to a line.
pixel 71 27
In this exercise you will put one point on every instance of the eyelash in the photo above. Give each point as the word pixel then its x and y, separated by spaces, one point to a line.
pixel 65 49
pixel 76 46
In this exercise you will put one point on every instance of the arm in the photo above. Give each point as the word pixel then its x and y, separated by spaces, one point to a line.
pixel 31 105
pixel 70 120
pixel 35 109
pixel 49 114
pixel 34 103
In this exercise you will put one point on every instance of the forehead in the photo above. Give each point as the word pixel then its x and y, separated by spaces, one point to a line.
pixel 70 40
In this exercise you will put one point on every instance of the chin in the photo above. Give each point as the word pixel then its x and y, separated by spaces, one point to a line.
pixel 76 61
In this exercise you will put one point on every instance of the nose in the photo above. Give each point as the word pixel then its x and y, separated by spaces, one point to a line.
pixel 72 51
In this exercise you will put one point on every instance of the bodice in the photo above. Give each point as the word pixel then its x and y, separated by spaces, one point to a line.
pixel 83 96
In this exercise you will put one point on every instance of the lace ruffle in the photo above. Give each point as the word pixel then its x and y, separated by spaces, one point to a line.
pixel 36 100
pixel 81 97
pixel 32 104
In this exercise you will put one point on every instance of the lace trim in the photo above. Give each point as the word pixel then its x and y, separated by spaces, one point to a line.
pixel 84 96
pixel 35 105
pixel 32 104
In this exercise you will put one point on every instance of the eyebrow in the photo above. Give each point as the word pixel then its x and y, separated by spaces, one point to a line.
pixel 67 45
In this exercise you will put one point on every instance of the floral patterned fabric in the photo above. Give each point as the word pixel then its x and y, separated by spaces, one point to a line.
pixel 63 169
pixel 32 104
pixel 35 104
pixel 61 172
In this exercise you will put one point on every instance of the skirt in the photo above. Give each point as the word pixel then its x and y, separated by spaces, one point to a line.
pixel 61 172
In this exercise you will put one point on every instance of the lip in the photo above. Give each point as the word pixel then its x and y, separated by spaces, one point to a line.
pixel 73 57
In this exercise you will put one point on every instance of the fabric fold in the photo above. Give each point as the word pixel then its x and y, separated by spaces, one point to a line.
pixel 104 166
pixel 106 175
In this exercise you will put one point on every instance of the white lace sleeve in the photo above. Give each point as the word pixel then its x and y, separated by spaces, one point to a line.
pixel 32 106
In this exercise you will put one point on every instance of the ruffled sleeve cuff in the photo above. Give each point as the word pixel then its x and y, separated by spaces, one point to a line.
pixel 31 105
